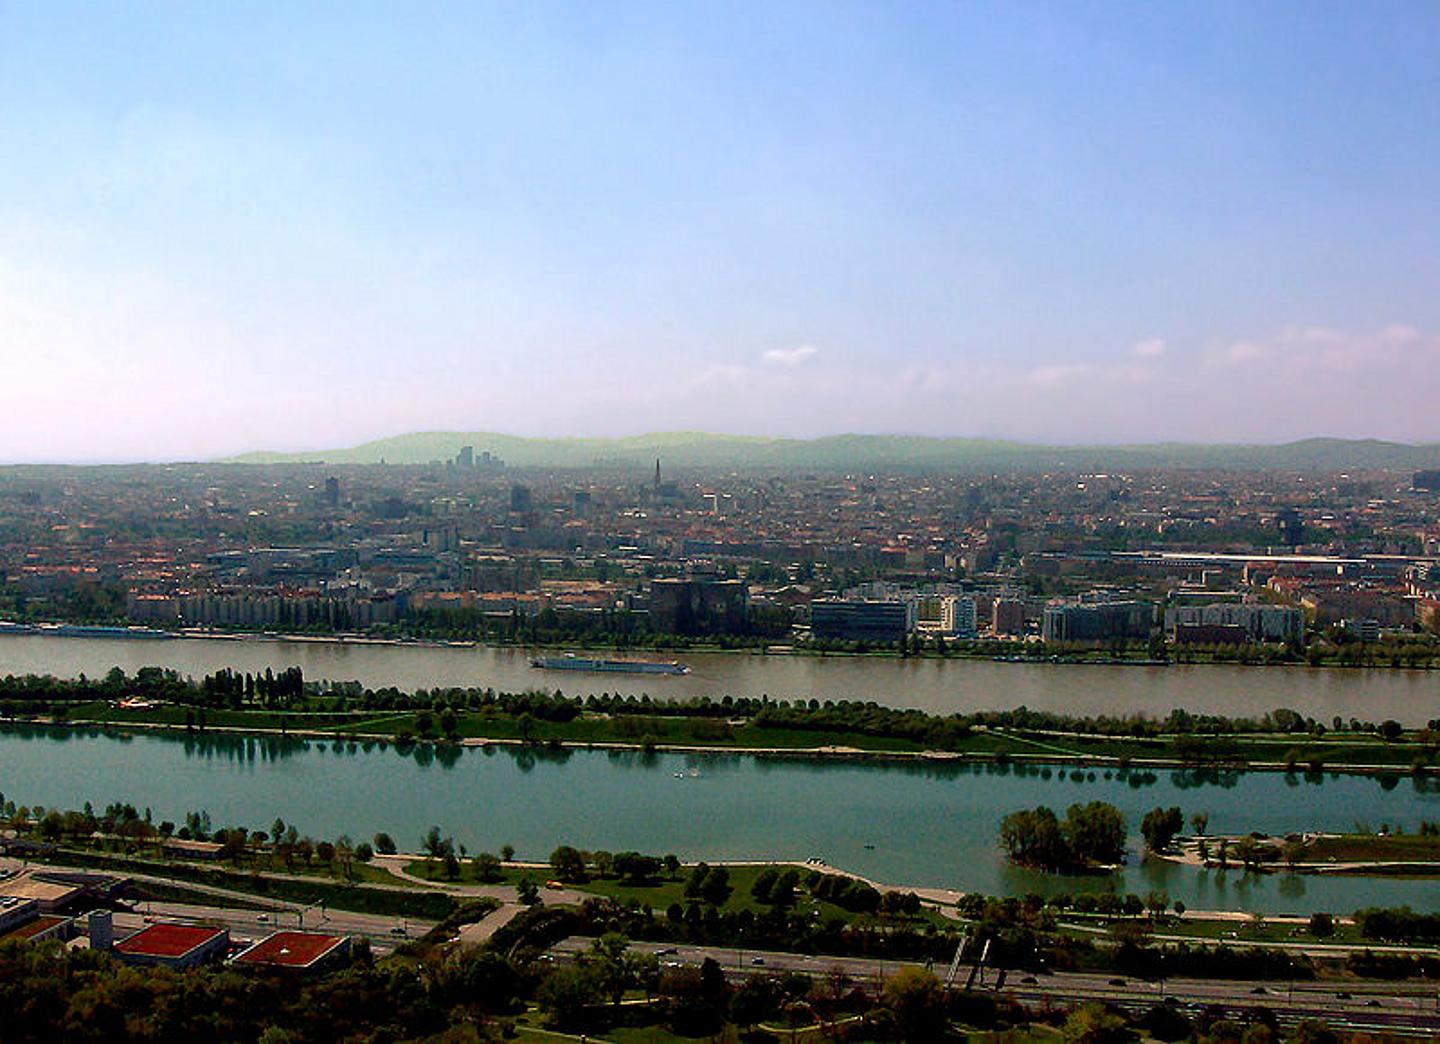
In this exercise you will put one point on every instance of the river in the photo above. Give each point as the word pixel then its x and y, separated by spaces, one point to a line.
pixel 941 686
pixel 930 825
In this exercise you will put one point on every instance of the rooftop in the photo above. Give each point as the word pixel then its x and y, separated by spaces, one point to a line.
pixel 168 940
pixel 291 949
pixel 34 928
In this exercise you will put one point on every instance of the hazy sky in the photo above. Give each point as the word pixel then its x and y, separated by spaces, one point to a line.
pixel 286 225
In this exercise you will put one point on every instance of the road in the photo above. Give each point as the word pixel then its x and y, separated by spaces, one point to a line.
pixel 1399 1007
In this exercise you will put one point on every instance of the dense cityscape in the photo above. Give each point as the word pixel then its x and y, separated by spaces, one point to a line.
pixel 470 549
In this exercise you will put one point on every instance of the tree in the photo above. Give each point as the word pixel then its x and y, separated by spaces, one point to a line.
pixel 1096 832
pixel 1200 822
pixel 384 843
pixel 716 887
pixel 568 864
pixel 527 891
pixel 1096 1024
pixel 1033 837
pixel 915 999
pixel 1160 826
pixel 487 867
pixel 1322 925
pixel 607 959
pixel 567 992
pixel 507 853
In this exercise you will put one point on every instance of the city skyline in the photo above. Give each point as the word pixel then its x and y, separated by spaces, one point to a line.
pixel 225 230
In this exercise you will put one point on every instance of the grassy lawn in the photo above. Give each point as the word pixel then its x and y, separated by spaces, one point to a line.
pixel 1223 931
pixel 1360 848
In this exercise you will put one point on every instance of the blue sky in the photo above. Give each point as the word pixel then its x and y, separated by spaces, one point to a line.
pixel 287 226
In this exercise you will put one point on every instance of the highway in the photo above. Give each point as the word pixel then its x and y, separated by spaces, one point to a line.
pixel 1406 1007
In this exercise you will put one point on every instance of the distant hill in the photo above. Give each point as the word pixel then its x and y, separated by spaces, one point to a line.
pixel 892 452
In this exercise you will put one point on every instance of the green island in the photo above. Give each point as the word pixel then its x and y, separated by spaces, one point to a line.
pixel 285 704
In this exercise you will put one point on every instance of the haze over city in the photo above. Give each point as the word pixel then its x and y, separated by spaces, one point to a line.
pixel 230 228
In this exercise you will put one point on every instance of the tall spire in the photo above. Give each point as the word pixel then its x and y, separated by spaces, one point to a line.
pixel 657 474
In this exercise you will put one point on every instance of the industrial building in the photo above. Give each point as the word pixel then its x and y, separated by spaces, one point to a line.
pixel 174 946
pixel 298 951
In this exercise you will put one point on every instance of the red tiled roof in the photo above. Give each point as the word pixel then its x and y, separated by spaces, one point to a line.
pixel 291 949
pixel 168 940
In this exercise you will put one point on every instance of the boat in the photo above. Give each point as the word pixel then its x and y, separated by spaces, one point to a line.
pixel 571 662
pixel 93 631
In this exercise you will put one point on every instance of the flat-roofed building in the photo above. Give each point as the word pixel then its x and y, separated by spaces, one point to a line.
pixel 298 951
pixel 174 945
pixel 52 896
pixel 46 926
pixel 15 912
pixel 861 620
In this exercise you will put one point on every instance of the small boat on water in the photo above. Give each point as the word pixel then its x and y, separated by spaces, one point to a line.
pixel 571 662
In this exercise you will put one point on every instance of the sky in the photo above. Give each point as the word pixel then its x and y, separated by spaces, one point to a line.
pixel 298 226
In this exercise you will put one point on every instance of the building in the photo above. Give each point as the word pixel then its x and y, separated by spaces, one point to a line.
pixel 522 501
pixel 949 615
pixel 49 892
pixel 174 945
pixel 15 912
pixel 47 926
pixel 1257 623
pixel 693 606
pixel 1007 616
pixel 298 951
pixel 855 620
pixel 1097 621
pixel 1291 526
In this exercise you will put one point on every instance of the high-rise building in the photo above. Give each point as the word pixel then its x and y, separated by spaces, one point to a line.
pixel 693 606
pixel 861 620
pixel 1097 621
pixel 332 491
pixel 521 499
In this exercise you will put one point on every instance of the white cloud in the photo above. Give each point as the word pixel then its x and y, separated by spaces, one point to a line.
pixel 1151 349
pixel 791 356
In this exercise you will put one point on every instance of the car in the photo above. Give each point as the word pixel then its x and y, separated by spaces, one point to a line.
pixel 1117 982
pixel 759 962
pixel 546 958
pixel 1259 990
pixel 1343 995
pixel 666 952
pixel 399 929
pixel 263 919
pixel 1029 980
pixel 1372 1003
pixel 672 964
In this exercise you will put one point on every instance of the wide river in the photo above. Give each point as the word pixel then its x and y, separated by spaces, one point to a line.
pixel 943 686
pixel 899 823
